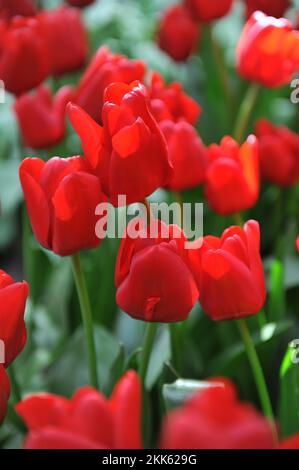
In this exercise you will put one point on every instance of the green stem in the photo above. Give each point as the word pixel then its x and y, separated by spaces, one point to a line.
pixel 175 347
pixel 258 375
pixel 238 217
pixel 245 111
pixel 14 384
pixel 150 334
pixel 86 317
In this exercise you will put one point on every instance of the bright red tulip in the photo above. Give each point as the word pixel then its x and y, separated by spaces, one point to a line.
pixel 4 392
pixel 178 33
pixel 13 296
pixel 80 3
pixel 10 8
pixel 216 419
pixel 24 61
pixel 104 69
pixel 153 276
pixel 276 8
pixel 129 152
pixel 66 39
pixel 208 10
pixel 87 421
pixel 268 51
pixel 229 273
pixel 279 153
pixel 61 197
pixel 233 170
pixel 189 160
pixel 41 116
pixel 297 244
pixel 171 102
pixel 291 442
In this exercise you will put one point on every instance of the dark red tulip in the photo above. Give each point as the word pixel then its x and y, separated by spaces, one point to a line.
pixel 178 33
pixel 171 102
pixel 87 421
pixel 80 3
pixel 129 152
pixel 41 116
pixel 229 273
pixel 208 10
pixel 66 39
pixel 279 153
pixel 232 170
pixel 216 419
pixel 268 51
pixel 189 160
pixel 61 197
pixel 24 61
pixel 10 8
pixel 104 69
pixel 4 392
pixel 275 8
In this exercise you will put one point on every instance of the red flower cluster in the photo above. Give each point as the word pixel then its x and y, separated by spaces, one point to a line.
pixel 206 11
pixel 10 8
pixel 276 8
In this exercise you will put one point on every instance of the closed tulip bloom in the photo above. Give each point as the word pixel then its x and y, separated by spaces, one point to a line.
pixel 189 160
pixel 278 152
pixel 13 297
pixel 10 8
pixel 216 419
pixel 129 152
pixel 171 102
pixel 80 3
pixel 24 62
pixel 87 421
pixel 232 170
pixel 268 51
pixel 4 392
pixel 206 11
pixel 66 39
pixel 61 197
pixel 153 277
pixel 104 69
pixel 41 116
pixel 229 273
pixel 178 33
pixel 276 8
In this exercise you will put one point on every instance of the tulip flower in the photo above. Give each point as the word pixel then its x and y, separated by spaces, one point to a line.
pixel 129 152
pixel 61 196
pixel 216 419
pixel 178 33
pixel 66 39
pixel 268 51
pixel 10 8
pixel 171 102
pixel 297 243
pixel 276 8
pixel 87 421
pixel 232 170
pixel 41 116
pixel 4 392
pixel 153 276
pixel 206 11
pixel 189 160
pixel 24 61
pixel 80 3
pixel 104 69
pixel 278 152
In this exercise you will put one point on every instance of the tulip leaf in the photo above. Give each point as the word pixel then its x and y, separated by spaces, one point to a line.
pixel 178 392
pixel 289 392
pixel 160 355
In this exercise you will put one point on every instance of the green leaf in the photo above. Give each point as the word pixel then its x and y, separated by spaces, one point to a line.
pixel 277 307
pixel 160 355
pixel 289 393
pixel 178 392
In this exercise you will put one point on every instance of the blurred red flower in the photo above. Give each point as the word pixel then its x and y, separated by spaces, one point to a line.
pixel 178 33
pixel 275 8
pixel 268 51
pixel 4 392
pixel 279 153
pixel 87 421
pixel 229 273
pixel 104 69
pixel 233 170
pixel 208 10
pixel 10 8
pixel 61 196
pixel 129 152
pixel 41 116
pixel 80 3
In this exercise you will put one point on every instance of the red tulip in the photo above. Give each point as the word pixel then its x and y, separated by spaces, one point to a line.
pixel 268 51
pixel 80 3
pixel 13 296
pixel 216 419
pixel 189 160
pixel 297 244
pixel 41 116
pixel 129 152
pixel 178 33
pixel 104 69
pixel 24 62
pixel 208 10
pixel 4 392
pixel 66 39
pixel 10 8
pixel 87 421
pixel 171 102
pixel 291 442
pixel 229 273
pixel 276 8
pixel 232 171
pixel 153 277
pixel 279 153
pixel 61 197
